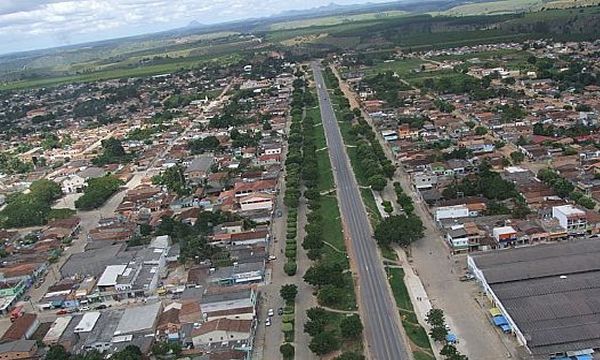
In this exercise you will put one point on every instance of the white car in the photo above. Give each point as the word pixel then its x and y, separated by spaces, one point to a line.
pixel 84 308
pixel 271 312
pixel 268 322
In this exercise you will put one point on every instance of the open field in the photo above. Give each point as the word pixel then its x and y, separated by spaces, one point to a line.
pixel 148 70
pixel 334 20
pixel 494 7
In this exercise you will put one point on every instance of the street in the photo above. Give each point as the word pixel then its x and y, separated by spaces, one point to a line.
pixel 384 335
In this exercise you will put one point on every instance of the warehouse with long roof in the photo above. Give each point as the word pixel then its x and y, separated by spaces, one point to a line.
pixel 549 295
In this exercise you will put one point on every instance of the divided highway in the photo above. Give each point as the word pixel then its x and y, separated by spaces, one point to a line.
pixel 385 338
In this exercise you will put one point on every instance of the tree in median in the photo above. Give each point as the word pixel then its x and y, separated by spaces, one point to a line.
pixel 288 292
pixel 350 356
pixel 323 274
pixel 287 351
pixel 351 327
pixel 377 182
pixel 399 229
pixel 435 317
pixel 317 318
pixel 324 343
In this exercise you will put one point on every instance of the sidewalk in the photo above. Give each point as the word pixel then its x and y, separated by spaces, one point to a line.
pixel 418 297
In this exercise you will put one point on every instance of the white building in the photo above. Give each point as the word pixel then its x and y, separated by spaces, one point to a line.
pixel 570 218
pixel 256 202
pixel 451 212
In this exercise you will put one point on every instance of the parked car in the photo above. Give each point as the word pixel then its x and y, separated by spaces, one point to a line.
pixel 280 311
pixel 84 308
pixel 101 307
pixel 271 312
pixel 61 312
pixel 268 322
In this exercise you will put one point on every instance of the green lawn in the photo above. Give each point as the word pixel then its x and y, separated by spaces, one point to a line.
pixel 419 355
pixel 371 205
pixel 415 332
pixel 333 323
pixel 396 279
pixel 401 67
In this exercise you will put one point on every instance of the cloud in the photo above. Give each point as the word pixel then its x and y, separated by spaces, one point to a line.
pixel 27 24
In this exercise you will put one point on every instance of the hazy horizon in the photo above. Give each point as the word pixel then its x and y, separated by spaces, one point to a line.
pixel 39 24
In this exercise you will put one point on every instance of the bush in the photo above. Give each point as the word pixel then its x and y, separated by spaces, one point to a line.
pixel 290 253
pixel 287 351
pixel 287 318
pixel 290 268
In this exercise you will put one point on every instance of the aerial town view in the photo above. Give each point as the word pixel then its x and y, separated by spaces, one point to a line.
pixel 266 180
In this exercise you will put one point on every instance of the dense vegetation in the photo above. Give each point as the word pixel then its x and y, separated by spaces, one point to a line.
pixel 98 190
pixel 32 208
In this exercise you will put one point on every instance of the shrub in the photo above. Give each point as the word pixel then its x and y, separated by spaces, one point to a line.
pixel 290 268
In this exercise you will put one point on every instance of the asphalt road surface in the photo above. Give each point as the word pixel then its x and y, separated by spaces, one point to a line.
pixel 385 339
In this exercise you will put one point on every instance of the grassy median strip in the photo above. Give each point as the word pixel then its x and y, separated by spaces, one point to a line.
pixel 416 333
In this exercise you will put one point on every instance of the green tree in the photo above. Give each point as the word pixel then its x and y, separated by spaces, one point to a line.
pixel 324 273
pixel 97 192
pixel 350 356
pixel 174 179
pixel 317 319
pixel 399 229
pixel 287 351
pixel 480 130
pixel 324 343
pixel 330 295
pixel 438 333
pixel 351 327
pixel 288 292
pixel 517 157
pixel 435 317
pixel 130 352
pixel 377 182
pixel 57 352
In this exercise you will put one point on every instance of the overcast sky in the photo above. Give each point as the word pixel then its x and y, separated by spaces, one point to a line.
pixel 35 24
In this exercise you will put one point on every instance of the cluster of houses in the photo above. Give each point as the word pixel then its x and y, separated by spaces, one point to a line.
pixel 440 147
pixel 131 288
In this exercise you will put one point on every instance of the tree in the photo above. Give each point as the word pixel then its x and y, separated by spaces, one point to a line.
pixel 287 351
pixel 351 327
pixel 317 318
pixel 438 333
pixel 97 192
pixel 377 182
pixel 324 273
pixel 480 130
pixel 113 152
pixel 57 352
pixel 174 179
pixel 330 295
pixel 350 356
pixel 324 343
pixel 435 317
pixel 399 229
pixel 517 157
pixel 288 292
pixel 290 268
pixel 130 352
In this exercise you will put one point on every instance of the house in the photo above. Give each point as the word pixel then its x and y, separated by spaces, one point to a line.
pixel 570 218
pixel 424 180
pixel 20 349
pixel 243 188
pixel 199 168
pixel 504 235
pixel 451 212
pixel 222 332
pixel 256 202
pixel 22 328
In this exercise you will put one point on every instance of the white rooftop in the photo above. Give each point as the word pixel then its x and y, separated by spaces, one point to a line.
pixel 87 322
pixel 514 169
pixel 569 210
pixel 110 275
pixel 504 230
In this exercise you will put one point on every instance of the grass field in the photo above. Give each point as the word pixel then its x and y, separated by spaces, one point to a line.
pixel 335 20
pixel 138 71
pixel 494 7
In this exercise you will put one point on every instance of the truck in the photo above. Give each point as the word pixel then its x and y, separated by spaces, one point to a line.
pixel 16 312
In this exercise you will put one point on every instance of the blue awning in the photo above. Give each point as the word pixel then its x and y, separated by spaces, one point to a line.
pixel 584 357
pixel 451 338
pixel 499 320
pixel 505 328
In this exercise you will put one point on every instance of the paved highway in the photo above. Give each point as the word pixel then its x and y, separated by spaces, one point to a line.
pixel 385 338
